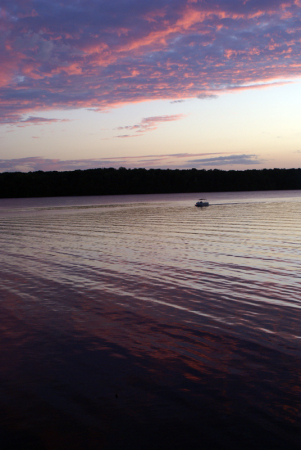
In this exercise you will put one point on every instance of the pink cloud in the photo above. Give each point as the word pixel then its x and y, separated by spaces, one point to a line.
pixel 100 54
pixel 149 124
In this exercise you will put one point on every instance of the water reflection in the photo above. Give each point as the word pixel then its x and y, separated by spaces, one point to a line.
pixel 145 326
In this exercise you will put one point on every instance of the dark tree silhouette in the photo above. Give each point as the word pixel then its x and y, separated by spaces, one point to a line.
pixel 142 181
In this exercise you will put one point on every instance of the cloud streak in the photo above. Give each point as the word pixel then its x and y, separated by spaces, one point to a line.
pixel 149 124
pixel 228 160
pixel 97 54
pixel 21 121
pixel 172 161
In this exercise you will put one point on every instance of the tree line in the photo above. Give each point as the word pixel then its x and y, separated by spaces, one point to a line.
pixel 110 181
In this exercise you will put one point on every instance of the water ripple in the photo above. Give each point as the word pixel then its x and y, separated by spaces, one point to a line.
pixel 184 315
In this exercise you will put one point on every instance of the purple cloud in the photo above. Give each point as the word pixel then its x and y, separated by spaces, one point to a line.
pixel 177 160
pixel 95 53
pixel 127 135
pixel 20 121
pixel 228 160
pixel 205 96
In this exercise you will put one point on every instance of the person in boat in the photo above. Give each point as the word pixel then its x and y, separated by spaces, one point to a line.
pixel 201 202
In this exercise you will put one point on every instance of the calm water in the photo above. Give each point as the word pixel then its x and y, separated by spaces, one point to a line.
pixel 142 322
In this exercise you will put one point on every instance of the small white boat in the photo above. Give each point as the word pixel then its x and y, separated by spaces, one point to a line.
pixel 201 202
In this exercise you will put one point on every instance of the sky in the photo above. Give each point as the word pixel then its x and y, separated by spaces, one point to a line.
pixel 150 83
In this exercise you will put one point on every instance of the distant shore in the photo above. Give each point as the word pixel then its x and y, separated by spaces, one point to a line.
pixel 121 181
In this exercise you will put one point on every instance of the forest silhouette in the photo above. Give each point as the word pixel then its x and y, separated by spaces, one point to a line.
pixel 110 181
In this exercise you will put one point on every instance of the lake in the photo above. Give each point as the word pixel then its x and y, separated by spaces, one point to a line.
pixel 143 322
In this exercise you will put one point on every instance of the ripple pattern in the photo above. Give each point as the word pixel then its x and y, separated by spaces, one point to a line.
pixel 191 314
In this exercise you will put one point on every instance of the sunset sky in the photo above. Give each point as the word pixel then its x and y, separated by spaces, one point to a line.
pixel 140 83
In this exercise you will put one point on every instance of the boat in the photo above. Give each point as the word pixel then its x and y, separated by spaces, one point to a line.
pixel 201 202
